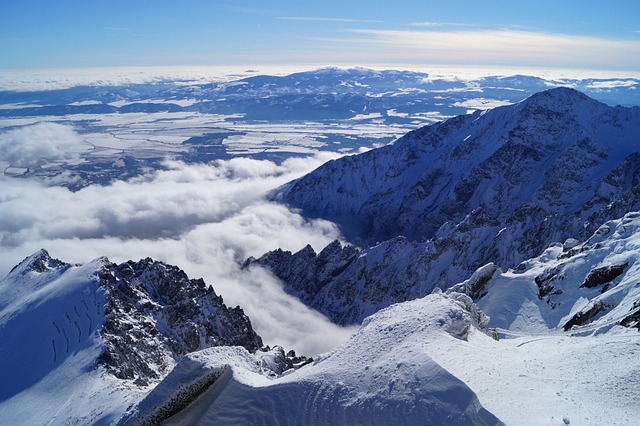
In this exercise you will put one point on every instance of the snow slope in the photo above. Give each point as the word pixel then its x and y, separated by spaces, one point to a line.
pixel 50 314
pixel 382 375
pixel 571 318
pixel 81 343
pixel 584 288
pixel 550 379
pixel 495 186
pixel 427 361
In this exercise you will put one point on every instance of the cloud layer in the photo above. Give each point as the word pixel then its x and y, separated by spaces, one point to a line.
pixel 205 219
pixel 40 143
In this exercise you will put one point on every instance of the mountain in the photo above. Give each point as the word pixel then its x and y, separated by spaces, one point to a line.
pixel 496 186
pixel 583 288
pixel 94 338
pixel 266 117
pixel 560 347
pixel 382 375
pixel 570 315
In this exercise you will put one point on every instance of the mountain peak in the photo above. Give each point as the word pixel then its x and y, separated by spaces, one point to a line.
pixel 38 262
pixel 559 99
pixel 479 188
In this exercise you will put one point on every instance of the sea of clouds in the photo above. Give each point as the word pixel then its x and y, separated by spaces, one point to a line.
pixel 207 219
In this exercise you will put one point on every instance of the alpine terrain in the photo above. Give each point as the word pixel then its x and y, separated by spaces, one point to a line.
pixel 88 339
pixel 492 270
pixel 432 207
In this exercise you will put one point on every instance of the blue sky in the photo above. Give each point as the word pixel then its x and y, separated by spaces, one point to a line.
pixel 95 33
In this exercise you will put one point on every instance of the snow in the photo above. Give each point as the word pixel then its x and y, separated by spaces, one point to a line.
pixel 514 301
pixel 432 359
pixel 382 375
pixel 539 380
pixel 428 361
pixel 415 358
pixel 48 372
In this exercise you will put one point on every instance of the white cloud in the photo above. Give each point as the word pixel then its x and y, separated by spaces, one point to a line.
pixel 204 219
pixel 53 79
pixel 40 143
pixel 612 84
pixel 503 47
pixel 481 103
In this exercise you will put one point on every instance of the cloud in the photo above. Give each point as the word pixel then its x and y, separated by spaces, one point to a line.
pixel 54 79
pixel 441 24
pixel 40 143
pixel 206 219
pixel 319 19
pixel 501 47
pixel 613 84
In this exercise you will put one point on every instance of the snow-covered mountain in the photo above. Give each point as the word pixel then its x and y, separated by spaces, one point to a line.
pixel 92 338
pixel 570 317
pixel 495 186
pixel 582 288
pixel 382 375
pixel 475 316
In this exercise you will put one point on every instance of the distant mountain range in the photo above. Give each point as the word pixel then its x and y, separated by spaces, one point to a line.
pixel 329 109
pixel 326 93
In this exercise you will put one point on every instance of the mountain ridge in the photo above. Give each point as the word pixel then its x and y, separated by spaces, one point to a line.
pixel 132 320
pixel 496 186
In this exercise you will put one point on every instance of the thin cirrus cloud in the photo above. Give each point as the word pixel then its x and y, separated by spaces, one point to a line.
pixel 501 47
pixel 320 19
pixel 442 24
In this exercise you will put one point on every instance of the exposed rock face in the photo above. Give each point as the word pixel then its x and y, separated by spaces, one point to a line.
pixel 603 275
pixel 496 186
pixel 155 313
pixel 587 287
pixel 40 261
pixel 584 317
pixel 142 316
pixel 346 284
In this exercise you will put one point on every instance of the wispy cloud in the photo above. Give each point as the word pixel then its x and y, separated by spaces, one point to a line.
pixel 442 24
pixel 319 19
pixel 506 47
pixel 247 10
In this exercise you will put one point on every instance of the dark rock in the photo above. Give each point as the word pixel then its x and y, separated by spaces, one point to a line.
pixel 155 314
pixel 584 317
pixel 545 282
pixel 605 274
pixel 632 320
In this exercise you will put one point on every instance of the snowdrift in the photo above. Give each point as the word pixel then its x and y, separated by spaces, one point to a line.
pixel 382 375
